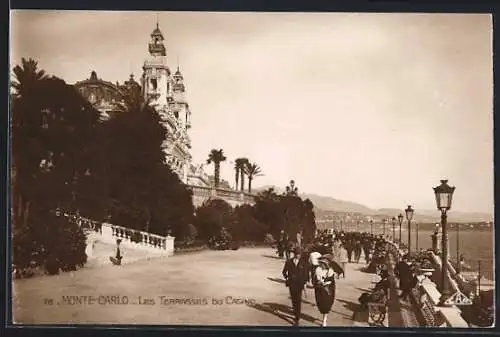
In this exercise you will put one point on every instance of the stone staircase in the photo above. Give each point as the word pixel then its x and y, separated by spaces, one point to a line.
pixel 134 245
pixel 102 250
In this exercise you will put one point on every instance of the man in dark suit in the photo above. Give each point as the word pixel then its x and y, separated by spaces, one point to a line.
pixel 296 275
pixel 403 272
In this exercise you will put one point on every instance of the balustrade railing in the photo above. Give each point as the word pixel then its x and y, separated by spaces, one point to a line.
pixel 139 237
pixel 205 191
pixel 127 234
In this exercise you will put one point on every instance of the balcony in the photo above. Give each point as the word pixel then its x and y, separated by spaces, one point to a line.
pixel 219 193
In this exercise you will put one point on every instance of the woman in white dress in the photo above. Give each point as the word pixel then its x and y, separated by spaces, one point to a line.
pixel 324 288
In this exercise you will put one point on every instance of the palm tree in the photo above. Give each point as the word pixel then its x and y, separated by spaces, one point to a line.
pixel 252 170
pixel 238 167
pixel 216 157
pixel 244 162
pixel 26 77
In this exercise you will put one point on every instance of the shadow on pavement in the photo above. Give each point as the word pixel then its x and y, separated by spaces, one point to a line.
pixel 273 257
pixel 358 314
pixel 275 279
pixel 352 306
pixel 282 311
pixel 341 314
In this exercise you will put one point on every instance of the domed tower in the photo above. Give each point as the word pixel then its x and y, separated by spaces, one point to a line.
pixel 165 92
pixel 155 79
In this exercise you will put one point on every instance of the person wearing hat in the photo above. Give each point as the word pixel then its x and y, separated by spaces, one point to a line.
pixel 324 287
pixel 295 273
pixel 403 273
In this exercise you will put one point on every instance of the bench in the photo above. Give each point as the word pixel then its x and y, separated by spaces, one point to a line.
pixel 377 313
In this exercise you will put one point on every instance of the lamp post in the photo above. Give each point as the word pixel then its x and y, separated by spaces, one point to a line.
pixel 393 229
pixel 416 238
pixel 444 194
pixel 400 219
pixel 384 221
pixel 371 226
pixel 409 215
pixel 459 265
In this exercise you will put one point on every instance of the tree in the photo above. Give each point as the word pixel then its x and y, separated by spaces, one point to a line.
pixel 51 126
pixel 268 210
pixel 135 185
pixel 252 170
pixel 239 165
pixel 216 157
pixel 211 217
pixel 244 162
pixel 245 226
pixel 26 78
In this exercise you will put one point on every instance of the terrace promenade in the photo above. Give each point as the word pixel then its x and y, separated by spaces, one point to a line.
pixel 243 287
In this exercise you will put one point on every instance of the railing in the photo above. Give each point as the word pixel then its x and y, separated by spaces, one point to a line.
pixel 139 237
pixel 204 191
pixel 130 236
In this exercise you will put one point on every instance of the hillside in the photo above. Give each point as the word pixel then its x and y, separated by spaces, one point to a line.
pixel 328 204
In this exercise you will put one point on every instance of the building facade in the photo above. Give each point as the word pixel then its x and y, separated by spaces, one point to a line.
pixel 163 90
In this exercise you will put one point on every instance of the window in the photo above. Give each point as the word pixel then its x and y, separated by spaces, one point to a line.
pixel 154 83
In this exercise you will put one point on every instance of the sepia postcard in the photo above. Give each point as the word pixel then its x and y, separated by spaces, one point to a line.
pixel 252 169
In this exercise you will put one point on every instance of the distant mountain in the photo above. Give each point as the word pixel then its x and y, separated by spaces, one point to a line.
pixel 425 215
pixel 324 204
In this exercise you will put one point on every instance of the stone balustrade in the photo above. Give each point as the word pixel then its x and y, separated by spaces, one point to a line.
pixel 426 297
pixel 211 192
pixel 131 238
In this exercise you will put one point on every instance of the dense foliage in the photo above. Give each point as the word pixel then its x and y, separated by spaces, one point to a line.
pixel 131 183
pixel 258 223
pixel 51 125
pixel 63 157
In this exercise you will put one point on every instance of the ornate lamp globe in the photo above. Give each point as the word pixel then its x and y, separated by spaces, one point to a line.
pixel 444 195
pixel 400 218
pixel 409 213
pixel 393 220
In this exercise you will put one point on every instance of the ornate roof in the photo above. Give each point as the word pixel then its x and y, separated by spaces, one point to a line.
pixel 157 33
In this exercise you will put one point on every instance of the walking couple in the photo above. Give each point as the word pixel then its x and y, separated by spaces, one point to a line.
pixel 298 271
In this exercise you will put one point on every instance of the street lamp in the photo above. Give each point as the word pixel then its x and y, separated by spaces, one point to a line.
pixel 444 194
pixel 371 226
pixel 409 215
pixel 385 220
pixel 393 229
pixel 400 219
pixel 416 238
pixel 459 266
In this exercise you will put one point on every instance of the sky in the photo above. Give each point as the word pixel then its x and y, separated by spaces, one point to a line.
pixel 370 108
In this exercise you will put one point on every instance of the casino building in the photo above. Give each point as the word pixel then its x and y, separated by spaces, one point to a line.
pixel 164 90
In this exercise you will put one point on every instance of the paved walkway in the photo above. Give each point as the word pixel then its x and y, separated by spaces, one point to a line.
pixel 207 288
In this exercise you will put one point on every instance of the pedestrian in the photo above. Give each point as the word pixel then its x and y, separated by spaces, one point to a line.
pixel 411 283
pixel 357 250
pixel 281 244
pixel 343 259
pixel 299 239
pixel 313 263
pixel 403 273
pixel 349 247
pixel 324 288
pixel 295 274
